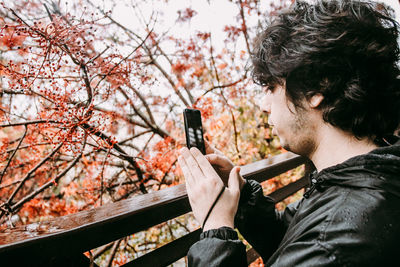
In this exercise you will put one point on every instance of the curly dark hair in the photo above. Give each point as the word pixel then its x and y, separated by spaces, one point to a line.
pixel 345 50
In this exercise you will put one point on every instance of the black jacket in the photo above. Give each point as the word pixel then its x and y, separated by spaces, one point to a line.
pixel 350 218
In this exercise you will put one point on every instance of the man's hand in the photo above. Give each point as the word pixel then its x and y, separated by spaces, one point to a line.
pixel 203 185
pixel 221 164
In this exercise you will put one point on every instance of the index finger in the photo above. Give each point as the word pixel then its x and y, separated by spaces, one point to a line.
pixel 192 164
pixel 186 172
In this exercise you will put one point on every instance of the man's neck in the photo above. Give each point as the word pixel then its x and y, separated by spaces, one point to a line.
pixel 335 146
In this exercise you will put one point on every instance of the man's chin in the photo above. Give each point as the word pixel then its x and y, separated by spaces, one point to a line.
pixel 286 146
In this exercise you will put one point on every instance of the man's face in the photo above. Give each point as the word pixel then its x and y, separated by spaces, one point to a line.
pixel 295 127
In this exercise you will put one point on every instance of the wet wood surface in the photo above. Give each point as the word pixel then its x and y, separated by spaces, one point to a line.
pixel 168 253
pixel 270 167
pixel 79 232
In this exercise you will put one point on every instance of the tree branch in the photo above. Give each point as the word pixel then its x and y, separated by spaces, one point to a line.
pixel 223 97
pixel 53 181
pixel 13 154
pixel 153 61
pixel 244 27
pixel 166 174
pixel 28 123
pixel 113 252
pixel 6 205
pixel 224 85
pixel 102 177
pixel 133 137
pixel 145 104
pixel 153 127
pixel 123 154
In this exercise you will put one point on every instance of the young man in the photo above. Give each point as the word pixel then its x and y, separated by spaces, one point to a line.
pixel 332 92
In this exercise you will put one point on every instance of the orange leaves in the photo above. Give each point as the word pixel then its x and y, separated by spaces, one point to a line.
pixel 72 71
pixel 205 104
pixel 199 70
pixel 85 161
pixel 180 67
pixel 12 37
pixel 47 208
pixel 120 260
pixel 222 66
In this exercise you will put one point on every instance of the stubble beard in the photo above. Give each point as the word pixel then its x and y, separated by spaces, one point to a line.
pixel 302 141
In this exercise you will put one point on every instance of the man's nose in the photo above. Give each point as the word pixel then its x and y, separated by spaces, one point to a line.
pixel 265 103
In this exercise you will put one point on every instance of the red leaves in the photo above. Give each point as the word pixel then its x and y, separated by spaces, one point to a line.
pixel 47 208
pixel 233 32
pixel 11 37
pixel 203 35
pixel 186 14
pixel 206 106
pixel 180 67
pixel 72 73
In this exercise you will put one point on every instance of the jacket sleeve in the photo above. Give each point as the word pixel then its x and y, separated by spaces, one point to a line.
pixel 258 221
pixel 218 247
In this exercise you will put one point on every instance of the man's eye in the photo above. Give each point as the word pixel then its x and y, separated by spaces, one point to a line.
pixel 269 88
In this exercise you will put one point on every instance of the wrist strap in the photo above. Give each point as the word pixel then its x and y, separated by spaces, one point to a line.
pixel 212 206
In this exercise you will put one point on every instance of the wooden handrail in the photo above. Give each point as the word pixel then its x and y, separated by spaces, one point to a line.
pixel 65 236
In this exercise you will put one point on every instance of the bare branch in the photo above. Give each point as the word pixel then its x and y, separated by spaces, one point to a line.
pixel 113 252
pixel 102 177
pixel 53 181
pixel 124 59
pixel 28 123
pixel 133 137
pixel 12 92
pixel 130 120
pixel 27 146
pixel 154 128
pixel 6 208
pixel 179 76
pixel 145 104
pixel 166 173
pixel 169 79
pixel 244 27
pixel 223 97
pixel 101 250
pixel 153 61
pixel 125 156
pixel 224 85
pixel 13 154
pixel 10 184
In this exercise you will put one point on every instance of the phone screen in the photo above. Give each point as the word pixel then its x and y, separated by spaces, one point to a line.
pixel 194 129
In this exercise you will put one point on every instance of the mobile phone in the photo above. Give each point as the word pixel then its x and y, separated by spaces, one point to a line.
pixel 194 129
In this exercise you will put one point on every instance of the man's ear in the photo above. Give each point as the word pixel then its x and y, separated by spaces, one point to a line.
pixel 315 100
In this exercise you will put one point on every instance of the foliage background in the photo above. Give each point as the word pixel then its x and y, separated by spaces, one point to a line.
pixel 90 108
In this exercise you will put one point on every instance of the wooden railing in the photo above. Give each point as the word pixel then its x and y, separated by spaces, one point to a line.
pixel 63 240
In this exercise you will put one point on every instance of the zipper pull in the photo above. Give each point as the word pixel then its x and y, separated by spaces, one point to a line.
pixel 314 184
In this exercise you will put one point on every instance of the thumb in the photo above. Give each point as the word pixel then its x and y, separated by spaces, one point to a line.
pixel 209 148
pixel 234 176
pixel 213 158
